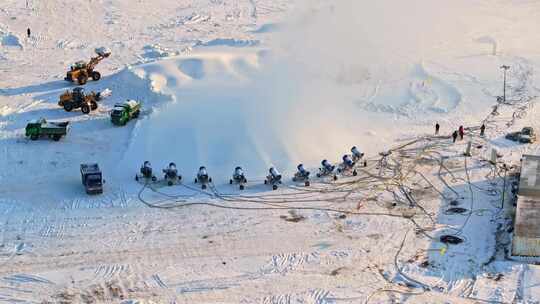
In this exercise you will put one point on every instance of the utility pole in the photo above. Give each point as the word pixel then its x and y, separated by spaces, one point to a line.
pixel 504 68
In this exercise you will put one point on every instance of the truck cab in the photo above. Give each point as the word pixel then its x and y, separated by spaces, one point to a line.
pixel 124 112
pixel 92 178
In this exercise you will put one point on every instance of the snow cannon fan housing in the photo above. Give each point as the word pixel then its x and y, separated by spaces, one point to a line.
pixel 327 165
pixel 348 160
pixel 238 171
pixel 302 170
pixel 275 174
pixel 202 172
pixel 356 154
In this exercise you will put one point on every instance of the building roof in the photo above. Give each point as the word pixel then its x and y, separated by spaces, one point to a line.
pixel 527 217
pixel 529 184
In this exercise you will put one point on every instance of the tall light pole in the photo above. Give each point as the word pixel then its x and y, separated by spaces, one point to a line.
pixel 504 68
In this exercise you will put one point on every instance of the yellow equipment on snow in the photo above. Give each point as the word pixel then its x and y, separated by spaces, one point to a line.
pixel 81 71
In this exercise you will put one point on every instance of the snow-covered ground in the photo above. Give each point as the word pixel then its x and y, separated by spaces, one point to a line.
pixel 258 83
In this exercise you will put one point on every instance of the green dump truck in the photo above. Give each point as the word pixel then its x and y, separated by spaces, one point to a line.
pixel 124 112
pixel 41 128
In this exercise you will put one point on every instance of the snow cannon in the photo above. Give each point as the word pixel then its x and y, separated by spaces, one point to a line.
pixel 347 166
pixel 238 178
pixel 146 173
pixel 203 178
pixel 301 175
pixel 347 160
pixel 171 175
pixel 356 155
pixel 326 169
pixel 274 178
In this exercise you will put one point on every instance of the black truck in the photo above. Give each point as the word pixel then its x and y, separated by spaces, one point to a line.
pixel 92 178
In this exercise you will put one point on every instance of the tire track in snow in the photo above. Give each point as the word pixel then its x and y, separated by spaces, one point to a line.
pixel 314 296
pixel 26 278
pixel 105 272
pixel 158 280
pixel 285 262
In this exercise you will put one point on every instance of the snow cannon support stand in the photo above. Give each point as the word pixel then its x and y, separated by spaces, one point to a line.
pixel 146 173
pixel 171 175
pixel 302 175
pixel 327 169
pixel 274 178
pixel 203 178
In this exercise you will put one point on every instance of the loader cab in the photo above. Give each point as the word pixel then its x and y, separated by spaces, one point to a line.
pixel 78 65
pixel 78 94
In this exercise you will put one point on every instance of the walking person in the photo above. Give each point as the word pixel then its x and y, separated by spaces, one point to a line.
pixel 461 132
pixel 482 130
pixel 437 127
pixel 454 136
pixel 28 33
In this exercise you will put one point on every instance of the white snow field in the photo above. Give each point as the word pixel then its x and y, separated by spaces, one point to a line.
pixel 260 83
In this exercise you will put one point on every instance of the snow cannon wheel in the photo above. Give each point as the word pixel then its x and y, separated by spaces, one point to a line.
pixel 307 183
pixel 210 180
pixel 230 181
pixel 318 175
pixel 354 173
pixel 179 177
pixel 68 107
pixel 242 187
pixel 96 76
pixel 203 187
pixel 170 183
pixel 93 105
pixel 274 187
pixel 154 178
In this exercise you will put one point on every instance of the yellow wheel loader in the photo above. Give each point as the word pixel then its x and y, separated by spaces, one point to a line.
pixel 81 71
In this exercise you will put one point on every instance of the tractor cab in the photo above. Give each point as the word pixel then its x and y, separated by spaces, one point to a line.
pixel 78 65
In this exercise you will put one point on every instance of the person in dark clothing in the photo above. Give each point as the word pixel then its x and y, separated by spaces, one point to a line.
pixel 482 129
pixel 454 136
pixel 28 32
pixel 437 127
pixel 461 132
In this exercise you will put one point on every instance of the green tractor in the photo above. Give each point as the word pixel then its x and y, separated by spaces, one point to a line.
pixel 39 128
pixel 124 112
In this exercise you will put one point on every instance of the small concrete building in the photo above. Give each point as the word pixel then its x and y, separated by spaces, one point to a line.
pixel 526 239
